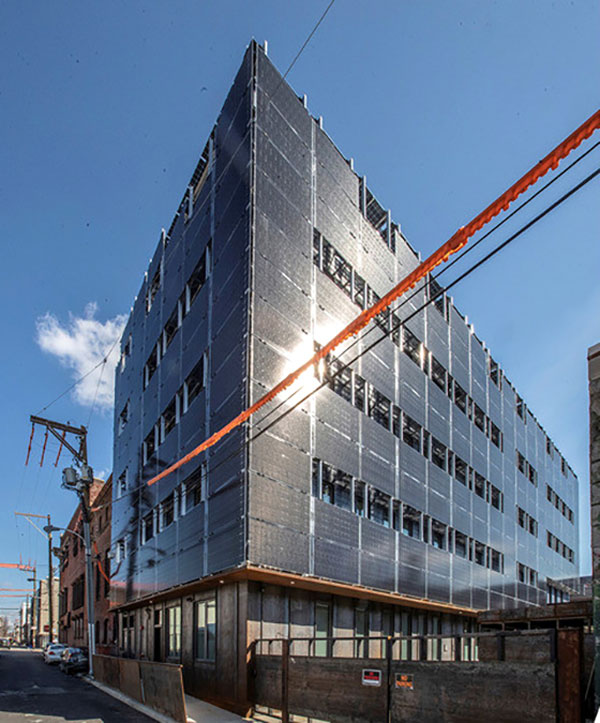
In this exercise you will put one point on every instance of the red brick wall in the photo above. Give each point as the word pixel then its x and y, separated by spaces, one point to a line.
pixel 72 606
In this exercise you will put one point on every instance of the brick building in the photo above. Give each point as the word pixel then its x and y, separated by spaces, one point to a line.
pixel 72 605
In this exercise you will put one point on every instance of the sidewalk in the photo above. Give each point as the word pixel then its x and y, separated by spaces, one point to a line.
pixel 198 711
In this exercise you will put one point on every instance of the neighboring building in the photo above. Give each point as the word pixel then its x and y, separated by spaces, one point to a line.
pixel 414 490
pixel 41 612
pixel 593 358
pixel 72 598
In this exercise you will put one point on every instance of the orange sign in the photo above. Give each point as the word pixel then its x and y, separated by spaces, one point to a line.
pixel 404 681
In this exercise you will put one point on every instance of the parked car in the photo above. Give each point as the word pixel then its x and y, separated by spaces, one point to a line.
pixel 74 660
pixel 53 652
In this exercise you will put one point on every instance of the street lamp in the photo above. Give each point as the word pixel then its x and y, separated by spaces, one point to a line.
pixel 89 581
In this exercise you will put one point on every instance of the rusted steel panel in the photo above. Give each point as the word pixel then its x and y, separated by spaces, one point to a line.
pixel 129 676
pixel 570 664
pixel 162 685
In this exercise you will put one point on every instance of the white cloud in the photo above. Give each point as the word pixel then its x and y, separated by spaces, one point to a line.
pixel 80 345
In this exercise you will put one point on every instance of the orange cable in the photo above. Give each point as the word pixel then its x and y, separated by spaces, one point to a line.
pixel 30 441
pixel 454 244
pixel 64 434
pixel 44 448
pixel 104 575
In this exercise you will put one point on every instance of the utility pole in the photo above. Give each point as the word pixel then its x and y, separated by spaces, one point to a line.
pixel 78 480
pixel 50 576
pixel 27 515
pixel 32 580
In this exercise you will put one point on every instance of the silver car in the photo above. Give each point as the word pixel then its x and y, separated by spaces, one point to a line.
pixel 53 653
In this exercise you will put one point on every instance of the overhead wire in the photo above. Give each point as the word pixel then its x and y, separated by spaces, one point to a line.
pixel 387 333
pixel 454 244
pixel 225 169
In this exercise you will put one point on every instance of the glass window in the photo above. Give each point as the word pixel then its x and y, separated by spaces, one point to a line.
pixel 379 408
pixel 411 432
pixel 438 453
pixel 341 379
pixel 361 631
pixel 206 617
pixel 322 629
pixel 359 498
pixel 438 534
pixel 195 382
pixel 460 544
pixel 412 346
pixel 379 507
pixel 359 392
pixel 438 374
pixel 411 522
pixel 460 397
pixel 174 631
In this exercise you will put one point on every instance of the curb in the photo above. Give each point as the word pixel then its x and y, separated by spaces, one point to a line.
pixel 136 705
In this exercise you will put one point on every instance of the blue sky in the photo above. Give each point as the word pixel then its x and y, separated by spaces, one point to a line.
pixel 106 108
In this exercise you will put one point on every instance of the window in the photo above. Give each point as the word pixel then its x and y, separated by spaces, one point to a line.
pixel 149 446
pixel 174 631
pixel 412 346
pixel 460 470
pixel 167 511
pixel 359 291
pixel 361 631
pixel 322 629
pixel 337 268
pixel 495 560
pixel 520 407
pixel 495 435
pixel 379 408
pixel 124 417
pixel 153 287
pixel 122 483
pixel 479 417
pixel 359 392
pixel 479 485
pixel 148 527
pixel 460 544
pixel 396 329
pixel 436 292
pixel 496 498
pixel 494 373
pixel 121 550
pixel 206 626
pixel 316 248
pixel 411 432
pixel 125 352
pixel 341 380
pixel 150 367
pixel 195 487
pixel 438 374
pixel 411 522
pixel 438 453
pixel 438 534
pixel 195 282
pixel 396 421
pixel 397 515
pixel 479 553
pixel 342 490
pixel 379 507
pixel 170 330
pixel 168 420
pixel 520 462
pixel 460 397
pixel 359 498
pixel 532 475
pixel 194 383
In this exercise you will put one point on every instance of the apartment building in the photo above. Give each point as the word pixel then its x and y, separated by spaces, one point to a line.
pixel 413 489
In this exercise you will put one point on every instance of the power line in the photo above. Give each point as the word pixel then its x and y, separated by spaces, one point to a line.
pixel 386 333
pixel 306 42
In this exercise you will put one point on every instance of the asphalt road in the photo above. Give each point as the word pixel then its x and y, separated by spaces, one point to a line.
pixel 35 692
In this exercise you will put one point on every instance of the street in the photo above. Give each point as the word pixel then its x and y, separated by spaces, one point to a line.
pixel 35 692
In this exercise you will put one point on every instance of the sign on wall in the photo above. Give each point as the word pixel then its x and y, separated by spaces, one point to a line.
pixel 371 676
pixel 404 681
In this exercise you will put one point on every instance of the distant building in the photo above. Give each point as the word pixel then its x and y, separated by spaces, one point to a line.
pixel 41 617
pixel 413 490
pixel 72 599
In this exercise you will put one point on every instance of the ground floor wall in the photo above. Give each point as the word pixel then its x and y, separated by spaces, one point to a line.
pixel 211 631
